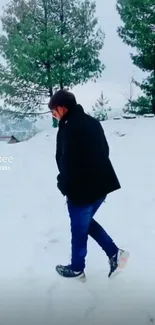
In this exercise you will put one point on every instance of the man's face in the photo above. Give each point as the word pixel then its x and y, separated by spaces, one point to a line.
pixel 59 112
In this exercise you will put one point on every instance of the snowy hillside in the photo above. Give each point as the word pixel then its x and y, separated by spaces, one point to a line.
pixel 35 236
pixel 22 130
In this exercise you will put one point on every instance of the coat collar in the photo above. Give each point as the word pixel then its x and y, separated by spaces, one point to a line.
pixel 78 110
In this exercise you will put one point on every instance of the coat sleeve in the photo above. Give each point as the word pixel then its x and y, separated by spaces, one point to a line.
pixel 71 159
pixel 58 154
pixel 104 140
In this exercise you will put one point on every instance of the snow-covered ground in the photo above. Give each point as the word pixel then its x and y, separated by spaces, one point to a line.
pixel 35 235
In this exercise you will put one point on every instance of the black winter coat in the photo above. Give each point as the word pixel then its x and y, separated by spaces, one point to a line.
pixel 82 155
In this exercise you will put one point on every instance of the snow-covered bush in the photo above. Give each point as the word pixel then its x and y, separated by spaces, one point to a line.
pixel 101 109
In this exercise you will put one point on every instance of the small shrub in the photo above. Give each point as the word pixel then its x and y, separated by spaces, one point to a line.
pixel 100 110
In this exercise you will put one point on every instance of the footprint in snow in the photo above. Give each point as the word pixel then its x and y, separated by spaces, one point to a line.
pixel 50 233
pixel 25 216
pixel 52 241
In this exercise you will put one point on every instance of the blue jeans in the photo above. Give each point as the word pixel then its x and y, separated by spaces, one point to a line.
pixel 82 225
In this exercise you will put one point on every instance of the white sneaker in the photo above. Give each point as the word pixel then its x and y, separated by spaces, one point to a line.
pixel 118 262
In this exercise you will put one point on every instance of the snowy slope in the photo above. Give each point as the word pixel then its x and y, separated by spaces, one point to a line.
pixel 35 236
pixel 22 130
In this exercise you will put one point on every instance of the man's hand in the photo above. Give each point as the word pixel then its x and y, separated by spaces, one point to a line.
pixel 60 185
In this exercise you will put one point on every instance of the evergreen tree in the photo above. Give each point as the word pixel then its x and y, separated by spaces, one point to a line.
pixel 138 31
pixel 46 45
pixel 100 110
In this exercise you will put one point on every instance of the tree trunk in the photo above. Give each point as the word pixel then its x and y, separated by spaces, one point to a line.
pixel 48 64
pixel 153 101
pixel 61 33
pixel 153 90
pixel 50 91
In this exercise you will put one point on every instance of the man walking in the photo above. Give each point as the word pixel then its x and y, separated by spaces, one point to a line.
pixel 86 177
